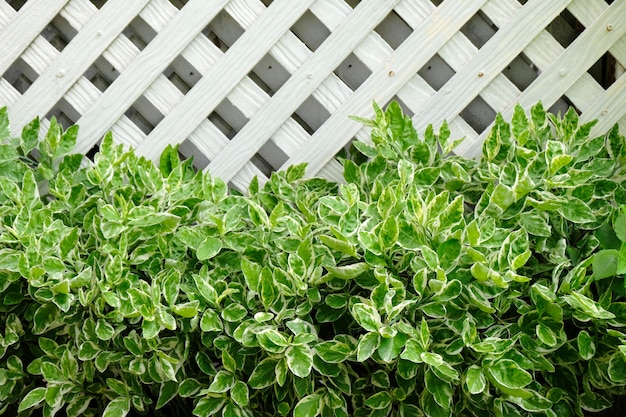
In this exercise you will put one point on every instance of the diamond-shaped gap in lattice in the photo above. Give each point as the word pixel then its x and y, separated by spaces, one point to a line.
pixel 310 30
pixel 139 32
pixel 436 72
pixel 478 114
pixel 223 30
pixel 98 3
pixel 65 114
pixel 16 4
pixel 393 29
pixel 143 115
pixel 221 124
pixel 311 115
pixel 562 105
pixel 605 71
pixel 479 29
pixel 521 72
pixel 353 72
pixel 262 164
pixel 272 155
pixel 565 28
pixel 187 150
pixel 231 115
pixel 178 3
pixel 20 75
pixel 258 81
pixel 182 74
pixel 271 73
pixel 59 33
pixel 91 153
pixel 101 73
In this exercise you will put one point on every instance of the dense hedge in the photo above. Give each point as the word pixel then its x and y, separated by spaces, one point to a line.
pixel 426 284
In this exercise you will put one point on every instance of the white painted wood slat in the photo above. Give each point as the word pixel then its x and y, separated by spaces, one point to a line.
pixel 301 84
pixel 88 45
pixel 247 85
pixel 410 56
pixel 222 78
pixel 144 69
pixel 22 29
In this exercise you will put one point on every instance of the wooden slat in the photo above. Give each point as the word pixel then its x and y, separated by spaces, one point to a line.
pixel 400 67
pixel 224 76
pixel 609 108
pixel 61 74
pixel 144 69
pixel 490 60
pixel 299 86
pixel 25 27
pixel 570 66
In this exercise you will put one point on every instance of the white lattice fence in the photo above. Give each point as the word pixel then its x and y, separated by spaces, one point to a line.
pixel 250 86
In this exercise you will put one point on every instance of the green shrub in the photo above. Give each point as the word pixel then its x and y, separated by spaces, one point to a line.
pixel 426 284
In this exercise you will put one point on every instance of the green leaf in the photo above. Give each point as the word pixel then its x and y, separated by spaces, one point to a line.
pixel 264 374
pixel 617 369
pixel 32 399
pixel 119 407
pixel 309 406
pixel 586 345
pixel 379 401
pixel 209 248
pixel 605 264
pixel 104 330
pixel 222 382
pixel 442 391
pixel 368 344
pixel 576 211
pixel 189 387
pixel 187 310
pixel 390 347
pixel 586 305
pixel 167 392
pixel 366 316
pixel 509 374
pixel 300 360
pixel 209 406
pixel 545 334
pixel 475 380
pixel 349 271
pixel 332 351
pixel 239 394
pixel 234 312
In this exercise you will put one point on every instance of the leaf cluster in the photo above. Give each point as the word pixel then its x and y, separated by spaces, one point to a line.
pixel 426 284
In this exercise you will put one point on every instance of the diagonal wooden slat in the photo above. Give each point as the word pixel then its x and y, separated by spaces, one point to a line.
pixel 490 60
pixel 299 86
pixel 571 65
pixel 410 56
pixel 144 69
pixel 222 78
pixel 25 27
pixel 70 65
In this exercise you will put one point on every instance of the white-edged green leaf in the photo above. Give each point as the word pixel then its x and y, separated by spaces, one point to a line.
pixel 475 380
pixel 509 374
pixel 119 407
pixel 300 360
pixel 32 399
pixel 309 406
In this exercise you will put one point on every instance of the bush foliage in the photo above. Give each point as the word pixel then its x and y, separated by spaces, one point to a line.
pixel 426 284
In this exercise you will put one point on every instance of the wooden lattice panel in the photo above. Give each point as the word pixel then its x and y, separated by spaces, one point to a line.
pixel 251 86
